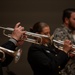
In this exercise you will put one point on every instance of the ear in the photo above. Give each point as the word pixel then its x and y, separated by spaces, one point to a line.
pixel 66 21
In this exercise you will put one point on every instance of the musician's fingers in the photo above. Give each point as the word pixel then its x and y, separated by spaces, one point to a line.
pixel 17 25
pixel 23 32
pixel 71 55
pixel 67 42
pixel 22 28
pixel 24 35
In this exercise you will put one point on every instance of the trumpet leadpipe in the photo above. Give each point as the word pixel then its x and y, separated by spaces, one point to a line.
pixel 36 34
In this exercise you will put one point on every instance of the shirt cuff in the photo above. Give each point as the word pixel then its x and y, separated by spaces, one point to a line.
pixel 13 40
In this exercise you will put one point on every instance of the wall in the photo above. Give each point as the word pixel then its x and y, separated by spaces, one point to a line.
pixel 29 12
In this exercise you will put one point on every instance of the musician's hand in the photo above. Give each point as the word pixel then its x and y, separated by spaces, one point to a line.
pixel 18 32
pixel 71 55
pixel 67 46
pixel 71 52
pixel 22 40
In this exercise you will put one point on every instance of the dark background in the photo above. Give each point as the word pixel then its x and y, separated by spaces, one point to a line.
pixel 29 12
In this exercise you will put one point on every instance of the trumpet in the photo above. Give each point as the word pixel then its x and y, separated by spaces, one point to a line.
pixel 15 54
pixel 28 34
pixel 59 44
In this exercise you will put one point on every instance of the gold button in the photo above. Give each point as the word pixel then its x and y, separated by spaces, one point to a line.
pixel 59 67
pixel 59 72
pixel 56 55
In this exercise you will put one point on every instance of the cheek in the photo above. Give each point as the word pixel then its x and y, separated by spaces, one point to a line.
pixel 73 20
pixel 46 40
pixel 72 23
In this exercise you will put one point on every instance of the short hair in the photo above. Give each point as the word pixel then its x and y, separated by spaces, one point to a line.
pixel 67 13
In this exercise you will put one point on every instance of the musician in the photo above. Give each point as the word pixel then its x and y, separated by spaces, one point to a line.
pixel 43 58
pixel 67 31
pixel 11 44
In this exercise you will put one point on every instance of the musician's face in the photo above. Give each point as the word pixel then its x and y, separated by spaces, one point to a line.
pixel 71 21
pixel 46 31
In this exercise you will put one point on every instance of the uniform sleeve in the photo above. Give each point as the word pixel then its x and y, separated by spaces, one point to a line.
pixel 8 58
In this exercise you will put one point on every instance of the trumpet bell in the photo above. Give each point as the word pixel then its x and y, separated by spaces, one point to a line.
pixel 15 54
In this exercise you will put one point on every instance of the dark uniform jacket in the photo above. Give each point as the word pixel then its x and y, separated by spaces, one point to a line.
pixel 8 58
pixel 44 60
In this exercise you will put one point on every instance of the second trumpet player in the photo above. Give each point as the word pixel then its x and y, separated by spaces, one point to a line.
pixel 44 58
